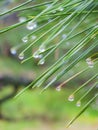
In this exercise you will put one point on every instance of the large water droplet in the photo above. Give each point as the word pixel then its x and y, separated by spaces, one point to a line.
pixel 22 19
pixel 71 98
pixel 25 39
pixel 42 61
pixel 58 88
pixel 42 48
pixel 13 51
pixel 31 25
pixel 78 104
pixel 21 56
pixel 36 55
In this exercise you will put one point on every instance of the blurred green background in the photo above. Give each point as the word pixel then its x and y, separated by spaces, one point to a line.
pixel 33 111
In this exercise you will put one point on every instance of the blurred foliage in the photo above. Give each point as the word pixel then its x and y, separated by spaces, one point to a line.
pixel 50 110
pixel 53 106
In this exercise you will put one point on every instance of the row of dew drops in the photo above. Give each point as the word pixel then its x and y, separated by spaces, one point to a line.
pixel 71 97
pixel 31 26
pixel 37 55
pixel 90 64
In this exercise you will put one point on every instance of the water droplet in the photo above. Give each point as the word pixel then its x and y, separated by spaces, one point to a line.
pixel 78 104
pixel 42 48
pixel 13 51
pixel 36 55
pixel 71 98
pixel 22 19
pixel 21 56
pixel 61 9
pixel 25 39
pixel 33 37
pixel 31 25
pixel 42 61
pixel 58 88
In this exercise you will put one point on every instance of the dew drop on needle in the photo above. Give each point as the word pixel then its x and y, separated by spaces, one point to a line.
pixel 42 48
pixel 40 56
pixel 36 55
pixel 13 51
pixel 21 56
pixel 31 25
pixel 78 104
pixel 42 61
pixel 22 19
pixel 71 98
pixel 25 39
